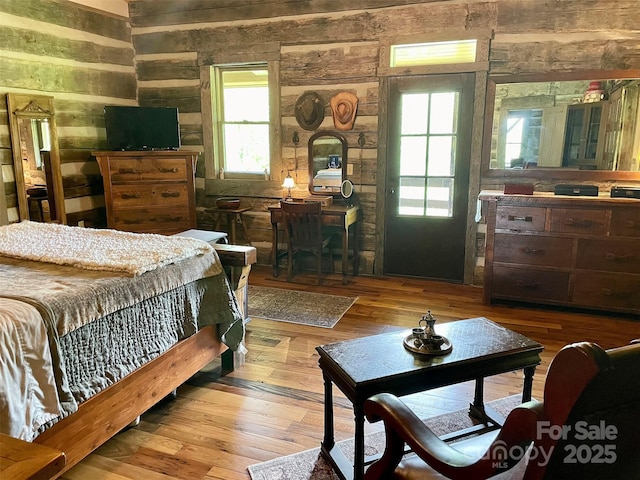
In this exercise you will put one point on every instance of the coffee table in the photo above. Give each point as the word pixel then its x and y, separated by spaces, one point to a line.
pixel 365 366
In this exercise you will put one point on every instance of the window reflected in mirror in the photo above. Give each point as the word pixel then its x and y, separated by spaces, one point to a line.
pixel 572 125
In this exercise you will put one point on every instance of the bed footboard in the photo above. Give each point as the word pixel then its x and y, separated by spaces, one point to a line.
pixel 102 416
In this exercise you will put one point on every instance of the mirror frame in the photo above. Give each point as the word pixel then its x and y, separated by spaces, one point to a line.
pixel 27 106
pixel 342 140
pixel 542 173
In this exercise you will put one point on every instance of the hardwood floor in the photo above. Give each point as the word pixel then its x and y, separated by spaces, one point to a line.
pixel 272 405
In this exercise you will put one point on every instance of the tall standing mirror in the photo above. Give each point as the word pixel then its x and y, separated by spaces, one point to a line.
pixel 575 125
pixel 327 163
pixel 36 159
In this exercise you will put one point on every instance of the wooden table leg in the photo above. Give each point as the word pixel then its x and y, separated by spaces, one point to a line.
pixel 274 248
pixel 244 229
pixel 528 383
pixel 232 219
pixel 329 440
pixel 358 458
pixel 345 256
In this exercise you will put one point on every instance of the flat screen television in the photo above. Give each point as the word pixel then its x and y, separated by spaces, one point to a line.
pixel 142 128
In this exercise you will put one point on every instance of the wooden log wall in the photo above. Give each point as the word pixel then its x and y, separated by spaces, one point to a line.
pixel 329 47
pixel 84 59
pixel 326 47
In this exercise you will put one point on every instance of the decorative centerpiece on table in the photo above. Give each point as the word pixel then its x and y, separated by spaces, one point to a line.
pixel 423 338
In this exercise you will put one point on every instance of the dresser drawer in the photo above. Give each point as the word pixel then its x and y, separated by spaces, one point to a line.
pixel 152 219
pixel 133 195
pixel 575 220
pixel 145 169
pixel 609 255
pixel 625 222
pixel 529 284
pixel 533 250
pixel 601 290
pixel 329 220
pixel 523 219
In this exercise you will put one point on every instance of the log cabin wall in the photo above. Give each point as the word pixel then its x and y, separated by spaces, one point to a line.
pixel 326 47
pixel 84 59
pixel 329 47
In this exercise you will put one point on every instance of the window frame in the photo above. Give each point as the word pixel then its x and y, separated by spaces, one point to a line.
pixel 210 78
pixel 482 37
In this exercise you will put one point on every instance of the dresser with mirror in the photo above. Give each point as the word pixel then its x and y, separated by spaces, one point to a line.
pixel 541 131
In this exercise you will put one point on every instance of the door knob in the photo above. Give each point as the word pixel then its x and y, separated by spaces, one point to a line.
pixel 392 191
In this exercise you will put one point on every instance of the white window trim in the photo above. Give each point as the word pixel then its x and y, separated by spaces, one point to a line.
pixel 483 37
pixel 212 158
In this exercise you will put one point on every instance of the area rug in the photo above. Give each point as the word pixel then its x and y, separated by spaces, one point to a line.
pixel 292 306
pixel 310 465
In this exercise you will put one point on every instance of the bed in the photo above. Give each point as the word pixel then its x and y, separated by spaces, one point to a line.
pixel 328 179
pixel 97 326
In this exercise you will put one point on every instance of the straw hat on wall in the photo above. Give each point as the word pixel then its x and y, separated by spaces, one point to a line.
pixel 344 106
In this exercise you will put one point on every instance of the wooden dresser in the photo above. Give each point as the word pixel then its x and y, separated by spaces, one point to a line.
pixel 562 250
pixel 149 191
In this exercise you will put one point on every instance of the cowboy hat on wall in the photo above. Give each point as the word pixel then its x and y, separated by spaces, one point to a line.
pixel 344 106
pixel 309 110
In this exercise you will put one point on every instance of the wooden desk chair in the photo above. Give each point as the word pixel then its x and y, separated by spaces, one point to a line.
pixel 304 233
pixel 588 391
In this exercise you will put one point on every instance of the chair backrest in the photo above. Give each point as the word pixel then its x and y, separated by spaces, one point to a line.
pixel 303 224
pixel 591 422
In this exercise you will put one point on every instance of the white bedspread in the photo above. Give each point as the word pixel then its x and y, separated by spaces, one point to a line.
pixel 96 249
pixel 28 394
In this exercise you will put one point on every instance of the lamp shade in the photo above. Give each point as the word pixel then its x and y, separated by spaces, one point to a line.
pixel 288 182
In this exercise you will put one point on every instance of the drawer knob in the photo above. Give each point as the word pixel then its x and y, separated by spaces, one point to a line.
pixel 168 170
pixel 518 218
pixel 578 223
pixel 532 251
pixel 529 285
pixel 170 194
pixel 607 292
pixel 128 171
pixel 613 257
pixel 631 224
pixel 167 219
pixel 129 196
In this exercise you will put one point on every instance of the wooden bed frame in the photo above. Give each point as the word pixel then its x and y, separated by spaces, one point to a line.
pixel 108 412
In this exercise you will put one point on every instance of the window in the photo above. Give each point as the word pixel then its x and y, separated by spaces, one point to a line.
pixel 433 53
pixel 522 139
pixel 242 130
pixel 428 141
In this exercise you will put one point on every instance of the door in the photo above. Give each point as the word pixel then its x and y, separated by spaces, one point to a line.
pixel 427 184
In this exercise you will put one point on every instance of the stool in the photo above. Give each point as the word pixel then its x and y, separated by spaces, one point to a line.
pixel 234 215
pixel 37 195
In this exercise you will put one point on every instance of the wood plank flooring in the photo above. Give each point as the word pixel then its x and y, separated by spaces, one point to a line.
pixel 272 405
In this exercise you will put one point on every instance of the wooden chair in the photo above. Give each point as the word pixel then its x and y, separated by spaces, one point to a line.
pixel 586 426
pixel 304 233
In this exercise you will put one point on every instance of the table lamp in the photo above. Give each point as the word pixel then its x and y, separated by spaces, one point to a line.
pixel 288 183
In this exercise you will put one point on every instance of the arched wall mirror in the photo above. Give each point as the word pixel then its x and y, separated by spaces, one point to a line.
pixel 327 163
pixel 36 159
pixel 579 125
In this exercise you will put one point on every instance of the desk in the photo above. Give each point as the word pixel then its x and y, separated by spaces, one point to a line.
pixel 234 215
pixel 360 369
pixel 338 216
